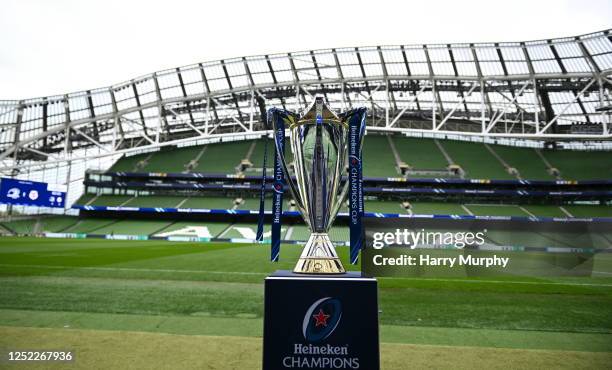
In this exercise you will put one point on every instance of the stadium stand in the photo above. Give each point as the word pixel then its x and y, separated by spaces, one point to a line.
pixel 420 154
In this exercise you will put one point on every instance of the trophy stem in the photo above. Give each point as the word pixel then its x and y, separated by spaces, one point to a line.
pixel 319 257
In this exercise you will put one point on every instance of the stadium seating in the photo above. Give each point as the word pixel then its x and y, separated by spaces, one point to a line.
pixel 245 230
pixel 589 210
pixel 223 157
pixel 530 239
pixel 475 160
pixel 257 155
pixel 378 160
pixel 378 206
pixel 169 201
pixel 433 208
pixel 300 232
pixel 38 225
pixel 541 210
pixel 127 163
pixel 496 210
pixel 68 224
pixel 383 207
pixel 174 160
pixel 336 234
pixel 156 201
pixel 208 202
pixel 419 153
pixel 580 165
pixel 528 164
pixel 133 227
pixel 89 225
pixel 187 228
pixel 109 200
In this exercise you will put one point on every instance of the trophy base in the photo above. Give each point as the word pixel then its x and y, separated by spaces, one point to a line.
pixel 350 300
pixel 319 257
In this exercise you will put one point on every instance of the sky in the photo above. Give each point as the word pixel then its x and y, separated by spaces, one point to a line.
pixel 50 47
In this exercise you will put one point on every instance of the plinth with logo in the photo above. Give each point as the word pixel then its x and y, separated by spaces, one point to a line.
pixel 320 322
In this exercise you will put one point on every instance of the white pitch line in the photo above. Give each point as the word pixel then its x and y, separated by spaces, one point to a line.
pixel 264 273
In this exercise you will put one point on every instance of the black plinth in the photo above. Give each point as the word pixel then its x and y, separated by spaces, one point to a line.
pixel 320 322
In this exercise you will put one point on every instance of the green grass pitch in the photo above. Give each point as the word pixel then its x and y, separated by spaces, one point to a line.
pixel 89 294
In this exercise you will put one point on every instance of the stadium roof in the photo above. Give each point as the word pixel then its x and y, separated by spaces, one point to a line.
pixel 545 89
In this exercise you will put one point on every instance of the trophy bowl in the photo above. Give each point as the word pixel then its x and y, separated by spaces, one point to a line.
pixel 319 145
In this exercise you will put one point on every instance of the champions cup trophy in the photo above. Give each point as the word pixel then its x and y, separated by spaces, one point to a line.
pixel 319 316
pixel 320 146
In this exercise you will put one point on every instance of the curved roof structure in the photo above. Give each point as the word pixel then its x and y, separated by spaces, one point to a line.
pixel 557 89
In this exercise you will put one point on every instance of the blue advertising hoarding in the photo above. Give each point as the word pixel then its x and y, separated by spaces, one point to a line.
pixel 31 193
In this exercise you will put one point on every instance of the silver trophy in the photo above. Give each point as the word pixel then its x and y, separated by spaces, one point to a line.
pixel 319 145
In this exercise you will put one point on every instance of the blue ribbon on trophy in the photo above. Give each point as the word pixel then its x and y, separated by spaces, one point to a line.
pixel 279 181
pixel 356 121
pixel 262 192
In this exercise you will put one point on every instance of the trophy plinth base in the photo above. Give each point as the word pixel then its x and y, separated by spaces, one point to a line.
pixel 319 257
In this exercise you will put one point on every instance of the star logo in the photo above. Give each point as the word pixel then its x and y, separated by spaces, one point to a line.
pixel 326 313
pixel 321 318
